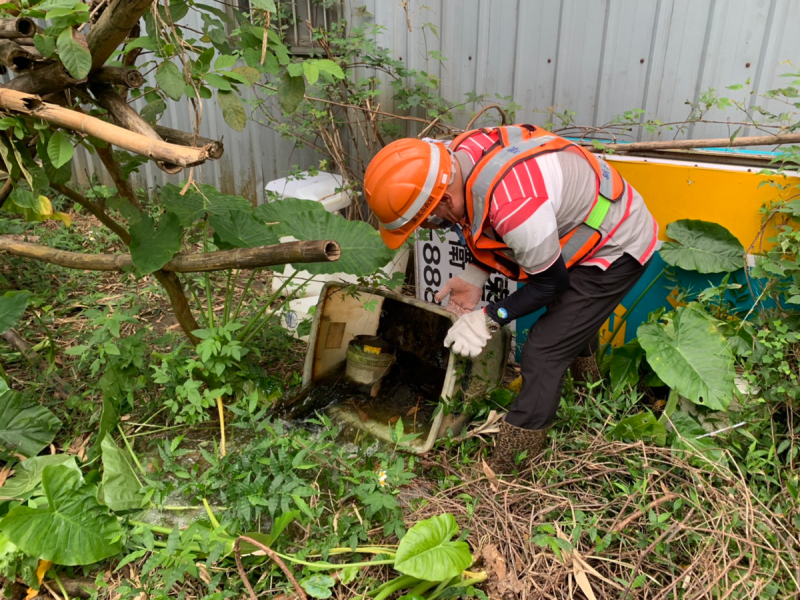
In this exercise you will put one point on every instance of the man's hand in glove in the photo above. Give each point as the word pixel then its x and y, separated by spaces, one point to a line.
pixel 465 291
pixel 468 335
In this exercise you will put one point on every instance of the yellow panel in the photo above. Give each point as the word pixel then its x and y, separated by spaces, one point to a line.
pixel 608 330
pixel 730 198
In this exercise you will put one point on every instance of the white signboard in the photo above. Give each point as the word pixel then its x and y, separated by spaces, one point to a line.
pixel 439 257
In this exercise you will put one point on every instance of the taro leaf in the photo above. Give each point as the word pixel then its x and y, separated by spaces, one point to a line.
pixel 170 80
pixel 73 54
pixel 427 552
pixel 642 426
pixel 291 92
pixel 151 249
pixel 195 205
pixel 24 428
pixel 232 109
pixel 691 356
pixel 73 529
pixel 12 307
pixel 363 250
pixel 624 368
pixel 688 430
pixel 318 585
pixel 109 416
pixel 28 475
pixel 281 210
pixel 703 247
pixel 242 230
pixel 121 488
pixel 59 149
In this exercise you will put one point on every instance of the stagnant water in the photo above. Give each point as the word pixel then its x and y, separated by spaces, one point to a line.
pixel 410 391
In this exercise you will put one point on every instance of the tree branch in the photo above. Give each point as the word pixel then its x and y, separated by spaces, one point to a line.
pixel 47 80
pixel 130 78
pixel 14 56
pixel 17 27
pixel 24 348
pixel 176 136
pixel 33 106
pixel 195 262
pixel 96 210
pixel 113 27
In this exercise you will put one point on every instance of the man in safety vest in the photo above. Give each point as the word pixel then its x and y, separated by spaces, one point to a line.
pixel 540 210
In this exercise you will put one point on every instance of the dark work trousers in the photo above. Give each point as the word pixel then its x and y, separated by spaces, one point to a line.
pixel 568 327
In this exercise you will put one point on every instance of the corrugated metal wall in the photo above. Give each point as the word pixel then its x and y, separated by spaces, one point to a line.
pixel 597 58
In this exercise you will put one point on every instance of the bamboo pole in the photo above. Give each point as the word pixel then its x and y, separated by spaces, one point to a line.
pixel 130 78
pixel 15 57
pixel 113 27
pixel 128 118
pixel 47 80
pixel 17 27
pixel 196 262
pixel 761 140
pixel 176 136
pixel 33 106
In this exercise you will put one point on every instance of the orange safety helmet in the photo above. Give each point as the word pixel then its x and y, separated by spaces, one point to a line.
pixel 404 183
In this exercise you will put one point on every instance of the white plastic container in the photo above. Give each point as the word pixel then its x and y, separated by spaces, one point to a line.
pixel 321 187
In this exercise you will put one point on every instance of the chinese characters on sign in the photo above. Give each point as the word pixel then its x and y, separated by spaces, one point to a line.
pixel 438 260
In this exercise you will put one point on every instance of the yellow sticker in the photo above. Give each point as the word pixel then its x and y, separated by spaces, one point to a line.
pixel 372 350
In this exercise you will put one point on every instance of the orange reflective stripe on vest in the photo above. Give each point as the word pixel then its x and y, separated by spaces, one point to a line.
pixel 516 144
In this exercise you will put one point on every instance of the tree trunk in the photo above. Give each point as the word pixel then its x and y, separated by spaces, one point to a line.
pixel 128 118
pixel 15 57
pixel 130 78
pixel 113 27
pixel 47 80
pixel 133 142
pixel 194 262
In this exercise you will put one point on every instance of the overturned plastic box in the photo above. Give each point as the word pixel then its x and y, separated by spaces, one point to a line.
pixel 426 385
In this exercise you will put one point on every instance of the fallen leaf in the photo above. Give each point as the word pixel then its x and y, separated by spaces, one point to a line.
pixel 394 419
pixel 487 470
pixel 412 411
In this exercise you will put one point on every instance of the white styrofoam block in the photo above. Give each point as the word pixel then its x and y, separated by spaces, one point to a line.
pixel 296 312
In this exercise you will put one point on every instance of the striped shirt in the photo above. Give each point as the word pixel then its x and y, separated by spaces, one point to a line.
pixel 545 197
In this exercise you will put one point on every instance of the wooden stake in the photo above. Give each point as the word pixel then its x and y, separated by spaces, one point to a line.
pixel 176 136
pixel 47 80
pixel 31 105
pixel 19 27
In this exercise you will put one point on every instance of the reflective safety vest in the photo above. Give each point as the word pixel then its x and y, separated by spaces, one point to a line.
pixel 516 144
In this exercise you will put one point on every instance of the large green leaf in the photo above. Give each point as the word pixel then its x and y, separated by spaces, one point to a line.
pixel 232 109
pixel 280 210
pixel 121 488
pixel 427 552
pixel 641 426
pixel 363 250
pixel 59 149
pixel 691 356
pixel 624 368
pixel 197 204
pixel 291 92
pixel 703 247
pixel 24 428
pixel 242 230
pixel 688 430
pixel 28 474
pixel 12 307
pixel 73 54
pixel 170 80
pixel 73 529
pixel 151 249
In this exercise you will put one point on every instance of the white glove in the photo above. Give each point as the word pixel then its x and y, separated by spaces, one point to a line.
pixel 468 335
pixel 465 291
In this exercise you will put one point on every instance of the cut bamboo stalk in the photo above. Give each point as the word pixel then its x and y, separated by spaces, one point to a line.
pixel 760 140
pixel 197 262
pixel 130 78
pixel 113 26
pixel 47 80
pixel 128 118
pixel 15 57
pixel 17 27
pixel 32 105
pixel 176 136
